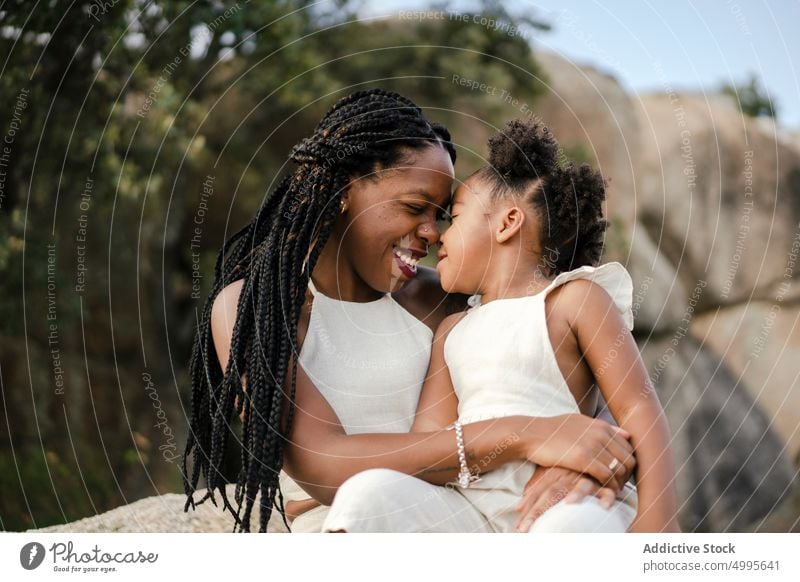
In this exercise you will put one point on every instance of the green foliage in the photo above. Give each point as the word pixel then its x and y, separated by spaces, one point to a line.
pixel 40 487
pixel 144 101
pixel 751 99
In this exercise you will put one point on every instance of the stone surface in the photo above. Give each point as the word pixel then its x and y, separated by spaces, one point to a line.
pixel 721 194
pixel 704 205
pixel 165 514
pixel 732 468
pixel 760 341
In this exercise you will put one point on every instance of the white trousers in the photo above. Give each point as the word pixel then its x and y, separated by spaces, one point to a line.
pixel 384 500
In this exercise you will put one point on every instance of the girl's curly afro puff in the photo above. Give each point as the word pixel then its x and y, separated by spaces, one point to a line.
pixel 524 163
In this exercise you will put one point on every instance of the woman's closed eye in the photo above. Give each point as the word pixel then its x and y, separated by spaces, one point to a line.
pixel 417 210
pixel 441 215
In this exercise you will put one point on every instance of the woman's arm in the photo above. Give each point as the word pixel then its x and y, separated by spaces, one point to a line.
pixel 320 456
pixel 612 354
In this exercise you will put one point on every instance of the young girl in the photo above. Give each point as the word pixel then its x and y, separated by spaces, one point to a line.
pixel 546 324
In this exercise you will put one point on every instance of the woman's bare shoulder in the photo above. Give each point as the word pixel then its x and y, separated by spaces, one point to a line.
pixel 226 302
pixel 225 307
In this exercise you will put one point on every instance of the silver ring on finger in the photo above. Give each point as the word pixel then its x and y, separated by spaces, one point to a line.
pixel 613 464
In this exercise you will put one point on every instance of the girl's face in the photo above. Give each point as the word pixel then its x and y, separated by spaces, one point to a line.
pixel 466 246
pixel 390 221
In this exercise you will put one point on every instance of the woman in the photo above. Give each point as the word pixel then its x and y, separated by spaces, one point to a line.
pixel 326 276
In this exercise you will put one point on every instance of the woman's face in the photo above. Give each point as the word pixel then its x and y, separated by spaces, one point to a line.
pixel 390 221
pixel 467 244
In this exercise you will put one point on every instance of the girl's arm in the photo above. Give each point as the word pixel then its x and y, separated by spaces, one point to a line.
pixel 438 407
pixel 438 403
pixel 611 352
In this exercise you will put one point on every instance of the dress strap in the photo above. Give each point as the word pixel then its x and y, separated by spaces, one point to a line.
pixel 312 287
pixel 613 277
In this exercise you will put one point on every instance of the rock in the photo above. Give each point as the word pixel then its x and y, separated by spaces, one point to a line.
pixel 760 341
pixel 720 192
pixel 165 514
pixel 588 107
pixel 704 212
pixel 659 298
pixel 785 518
pixel 732 467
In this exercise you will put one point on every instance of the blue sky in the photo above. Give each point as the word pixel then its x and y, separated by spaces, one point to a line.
pixel 689 46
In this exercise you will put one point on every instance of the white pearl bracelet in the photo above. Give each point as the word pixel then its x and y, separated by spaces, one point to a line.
pixel 464 475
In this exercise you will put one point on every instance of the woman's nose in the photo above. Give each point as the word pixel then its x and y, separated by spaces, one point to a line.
pixel 429 232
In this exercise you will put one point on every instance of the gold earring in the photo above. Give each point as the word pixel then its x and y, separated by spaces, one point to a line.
pixel 342 206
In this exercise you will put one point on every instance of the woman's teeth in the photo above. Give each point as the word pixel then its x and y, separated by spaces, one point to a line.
pixel 408 259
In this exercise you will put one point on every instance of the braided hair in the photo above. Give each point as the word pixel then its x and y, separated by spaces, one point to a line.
pixel 523 162
pixel 275 255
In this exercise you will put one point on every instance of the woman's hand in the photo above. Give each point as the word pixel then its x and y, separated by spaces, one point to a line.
pixel 583 444
pixel 550 485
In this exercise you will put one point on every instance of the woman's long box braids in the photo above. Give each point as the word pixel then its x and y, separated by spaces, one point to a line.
pixel 362 132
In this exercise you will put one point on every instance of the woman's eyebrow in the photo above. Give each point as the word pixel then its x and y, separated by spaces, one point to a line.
pixel 422 193
pixel 430 199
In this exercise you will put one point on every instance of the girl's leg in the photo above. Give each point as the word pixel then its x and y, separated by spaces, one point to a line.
pixel 384 500
pixel 309 521
pixel 588 516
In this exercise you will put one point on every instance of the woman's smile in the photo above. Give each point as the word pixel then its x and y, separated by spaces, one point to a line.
pixel 407 259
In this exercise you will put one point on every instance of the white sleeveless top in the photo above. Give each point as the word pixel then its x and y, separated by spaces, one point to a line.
pixel 502 363
pixel 368 360
pixel 500 357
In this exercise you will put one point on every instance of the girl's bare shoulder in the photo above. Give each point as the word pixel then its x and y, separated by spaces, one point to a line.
pixel 574 299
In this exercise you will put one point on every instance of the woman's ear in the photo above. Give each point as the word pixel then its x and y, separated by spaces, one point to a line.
pixel 510 223
pixel 344 198
pixel 355 184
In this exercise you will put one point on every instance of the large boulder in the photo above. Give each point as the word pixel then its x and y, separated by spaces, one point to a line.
pixel 165 514
pixel 704 205
pixel 760 342
pixel 588 109
pixel 721 193
pixel 732 468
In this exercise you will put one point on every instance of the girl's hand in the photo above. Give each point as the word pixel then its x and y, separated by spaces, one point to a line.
pixel 583 444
